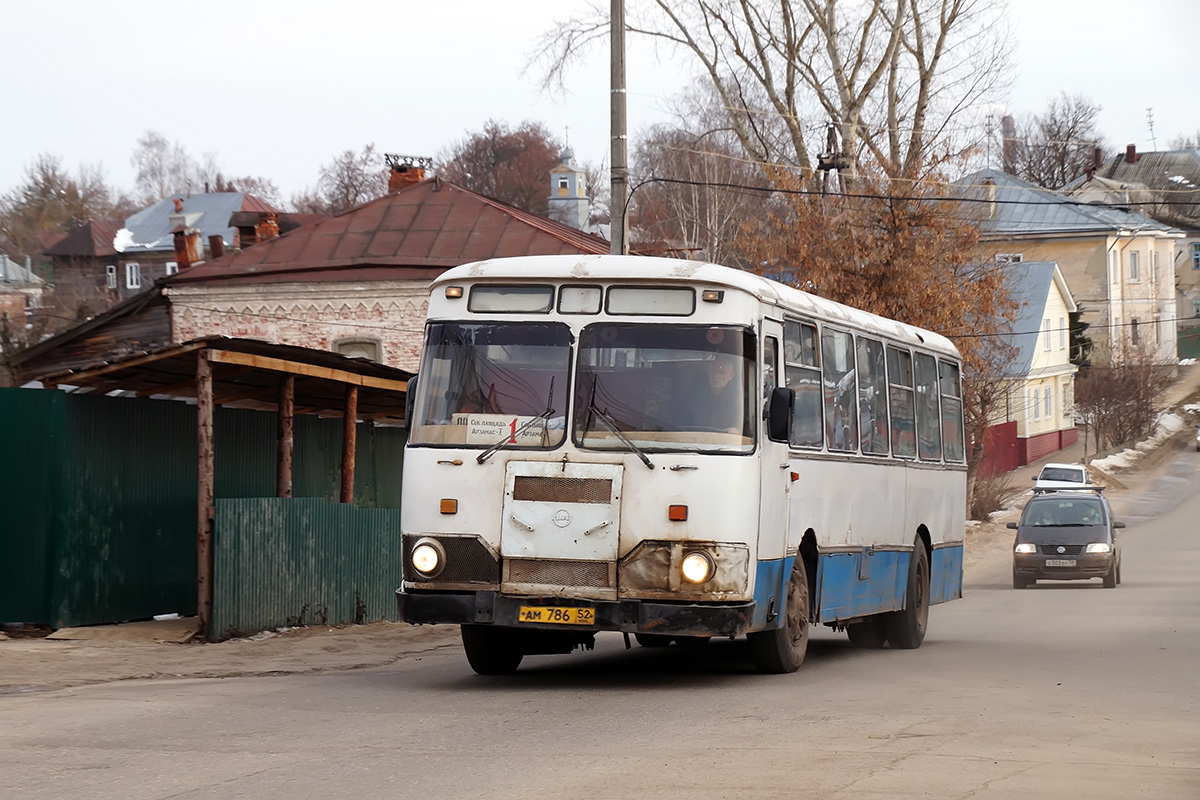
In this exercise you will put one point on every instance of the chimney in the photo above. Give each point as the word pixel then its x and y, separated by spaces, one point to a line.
pixel 216 245
pixel 187 248
pixel 1131 155
pixel 1008 144
pixel 406 170
pixel 267 227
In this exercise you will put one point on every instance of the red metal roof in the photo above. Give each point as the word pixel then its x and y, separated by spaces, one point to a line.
pixel 414 233
pixel 252 203
pixel 93 238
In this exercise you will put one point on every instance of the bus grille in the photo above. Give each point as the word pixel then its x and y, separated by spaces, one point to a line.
pixel 594 574
pixel 562 490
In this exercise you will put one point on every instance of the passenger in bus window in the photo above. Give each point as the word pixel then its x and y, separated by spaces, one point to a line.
pixel 713 399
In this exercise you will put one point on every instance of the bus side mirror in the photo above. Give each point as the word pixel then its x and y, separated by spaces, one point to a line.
pixel 779 414
pixel 409 392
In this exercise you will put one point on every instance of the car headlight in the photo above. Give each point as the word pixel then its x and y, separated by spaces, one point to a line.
pixel 428 557
pixel 1025 548
pixel 1099 547
pixel 697 567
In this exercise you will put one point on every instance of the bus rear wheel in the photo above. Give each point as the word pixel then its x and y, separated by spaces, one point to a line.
pixel 490 650
pixel 782 649
pixel 906 628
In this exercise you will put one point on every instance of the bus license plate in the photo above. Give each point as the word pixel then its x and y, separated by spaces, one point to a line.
pixel 1060 562
pixel 557 615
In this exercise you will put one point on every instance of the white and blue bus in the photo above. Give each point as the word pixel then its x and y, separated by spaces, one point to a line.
pixel 675 450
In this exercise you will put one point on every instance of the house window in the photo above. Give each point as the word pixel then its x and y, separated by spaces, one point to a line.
pixel 110 276
pixel 1113 272
pixel 1035 403
pixel 1068 401
pixel 1046 334
pixel 1195 255
pixel 1134 331
pixel 1008 258
pixel 358 348
pixel 1135 274
pixel 1154 265
pixel 1048 408
pixel 564 182
pixel 133 276
pixel 1062 333
pixel 1196 307
pixel 172 267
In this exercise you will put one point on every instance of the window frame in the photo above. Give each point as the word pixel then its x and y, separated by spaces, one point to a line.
pixel 1133 266
pixel 133 275
pixel 110 276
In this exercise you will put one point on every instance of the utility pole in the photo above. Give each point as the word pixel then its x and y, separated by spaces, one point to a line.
pixel 618 224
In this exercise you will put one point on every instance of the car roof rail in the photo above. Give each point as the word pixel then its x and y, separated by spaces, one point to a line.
pixel 1083 487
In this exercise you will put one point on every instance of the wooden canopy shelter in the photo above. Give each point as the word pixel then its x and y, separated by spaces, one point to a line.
pixel 247 374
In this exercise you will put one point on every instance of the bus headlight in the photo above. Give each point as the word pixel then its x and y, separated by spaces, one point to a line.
pixel 697 567
pixel 428 557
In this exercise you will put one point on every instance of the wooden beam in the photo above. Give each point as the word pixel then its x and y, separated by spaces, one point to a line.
pixel 287 429
pixel 308 370
pixel 204 491
pixel 79 378
pixel 247 394
pixel 349 437
pixel 172 388
pixel 398 413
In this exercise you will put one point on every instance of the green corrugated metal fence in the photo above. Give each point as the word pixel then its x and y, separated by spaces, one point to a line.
pixel 302 561
pixel 98 497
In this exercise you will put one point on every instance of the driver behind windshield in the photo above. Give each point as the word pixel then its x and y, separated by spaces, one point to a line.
pixel 713 400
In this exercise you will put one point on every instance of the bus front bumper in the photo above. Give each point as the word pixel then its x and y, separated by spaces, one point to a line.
pixel 629 616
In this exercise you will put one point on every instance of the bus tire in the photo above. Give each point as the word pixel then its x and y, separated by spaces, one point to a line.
pixel 868 634
pixel 490 650
pixel 652 639
pixel 906 628
pixel 781 650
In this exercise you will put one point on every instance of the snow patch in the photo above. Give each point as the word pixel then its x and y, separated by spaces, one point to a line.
pixel 1187 362
pixel 124 241
pixel 1166 426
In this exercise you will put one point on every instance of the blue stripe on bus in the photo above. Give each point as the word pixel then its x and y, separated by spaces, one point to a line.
pixel 769 591
pixel 842 594
pixel 945 574
pixel 864 582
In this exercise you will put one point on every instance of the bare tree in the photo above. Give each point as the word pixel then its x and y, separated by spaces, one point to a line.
pixel 693 188
pixel 349 180
pixel 1118 402
pixel 1184 142
pixel 509 165
pixel 895 76
pixel 52 200
pixel 1052 148
pixel 164 168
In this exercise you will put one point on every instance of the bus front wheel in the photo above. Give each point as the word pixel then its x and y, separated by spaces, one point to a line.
pixel 782 649
pixel 491 651
pixel 906 628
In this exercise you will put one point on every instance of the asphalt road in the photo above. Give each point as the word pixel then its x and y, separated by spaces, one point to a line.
pixel 1061 691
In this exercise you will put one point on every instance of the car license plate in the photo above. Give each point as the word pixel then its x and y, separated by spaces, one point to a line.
pixel 557 615
pixel 1060 562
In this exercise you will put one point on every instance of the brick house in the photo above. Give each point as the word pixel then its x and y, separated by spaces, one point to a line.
pixel 356 284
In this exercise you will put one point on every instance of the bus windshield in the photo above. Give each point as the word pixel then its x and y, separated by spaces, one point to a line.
pixel 481 383
pixel 665 387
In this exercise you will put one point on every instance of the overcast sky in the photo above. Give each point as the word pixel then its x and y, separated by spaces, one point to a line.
pixel 275 89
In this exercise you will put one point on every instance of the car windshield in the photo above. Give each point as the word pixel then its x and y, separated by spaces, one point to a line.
pixel 1058 513
pixel 482 382
pixel 1061 474
pixel 665 387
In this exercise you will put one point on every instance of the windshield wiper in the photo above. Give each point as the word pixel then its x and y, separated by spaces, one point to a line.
pixel 511 437
pixel 612 426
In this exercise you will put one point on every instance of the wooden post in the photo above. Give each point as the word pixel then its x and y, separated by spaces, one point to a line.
pixel 349 434
pixel 204 509
pixel 287 428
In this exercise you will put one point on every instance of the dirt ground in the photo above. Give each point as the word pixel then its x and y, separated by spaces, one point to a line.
pixel 41 664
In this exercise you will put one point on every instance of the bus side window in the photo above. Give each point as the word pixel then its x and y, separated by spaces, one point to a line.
pixel 872 397
pixel 803 377
pixel 900 403
pixel 841 418
pixel 952 419
pixel 929 428
pixel 770 369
